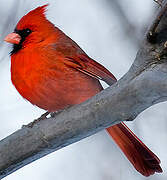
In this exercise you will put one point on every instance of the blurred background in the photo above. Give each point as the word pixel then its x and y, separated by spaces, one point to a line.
pixel 109 31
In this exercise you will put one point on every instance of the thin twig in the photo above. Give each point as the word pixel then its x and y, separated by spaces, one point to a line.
pixel 159 2
pixel 152 32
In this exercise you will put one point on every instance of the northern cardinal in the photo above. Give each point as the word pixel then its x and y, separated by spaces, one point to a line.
pixel 52 72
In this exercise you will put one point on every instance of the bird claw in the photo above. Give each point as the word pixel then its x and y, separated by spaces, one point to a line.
pixel 53 114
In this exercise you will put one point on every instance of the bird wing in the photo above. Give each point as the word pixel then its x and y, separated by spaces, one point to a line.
pixel 75 57
pixel 90 67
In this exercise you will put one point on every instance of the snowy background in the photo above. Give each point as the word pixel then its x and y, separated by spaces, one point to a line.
pixel 110 31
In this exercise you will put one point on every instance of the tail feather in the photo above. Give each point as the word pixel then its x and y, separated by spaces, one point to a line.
pixel 142 158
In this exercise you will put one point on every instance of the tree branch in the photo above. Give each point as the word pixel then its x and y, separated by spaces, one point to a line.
pixel 144 85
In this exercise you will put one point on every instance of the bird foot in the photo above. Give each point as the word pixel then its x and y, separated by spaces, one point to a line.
pixel 43 116
pixel 31 124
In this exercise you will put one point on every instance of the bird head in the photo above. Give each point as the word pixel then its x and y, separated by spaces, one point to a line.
pixel 31 28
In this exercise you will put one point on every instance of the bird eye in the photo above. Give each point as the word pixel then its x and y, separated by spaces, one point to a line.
pixel 23 33
pixel 27 31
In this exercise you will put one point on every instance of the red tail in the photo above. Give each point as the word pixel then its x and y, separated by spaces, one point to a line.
pixel 142 158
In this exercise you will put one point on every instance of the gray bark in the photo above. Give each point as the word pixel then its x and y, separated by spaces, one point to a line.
pixel 144 85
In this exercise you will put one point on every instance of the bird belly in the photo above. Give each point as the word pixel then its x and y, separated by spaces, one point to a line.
pixel 54 90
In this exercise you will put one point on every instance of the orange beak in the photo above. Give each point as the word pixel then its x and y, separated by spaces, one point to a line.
pixel 13 38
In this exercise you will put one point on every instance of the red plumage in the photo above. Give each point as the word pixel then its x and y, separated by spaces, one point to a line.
pixel 52 72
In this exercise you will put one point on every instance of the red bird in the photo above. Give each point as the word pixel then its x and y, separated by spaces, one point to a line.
pixel 52 72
